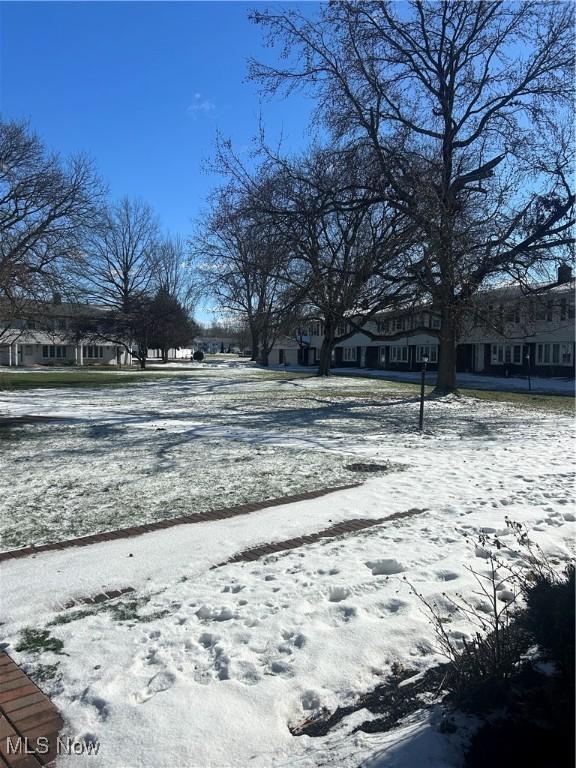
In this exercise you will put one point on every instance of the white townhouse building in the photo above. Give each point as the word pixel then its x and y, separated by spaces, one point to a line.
pixel 508 330
pixel 44 333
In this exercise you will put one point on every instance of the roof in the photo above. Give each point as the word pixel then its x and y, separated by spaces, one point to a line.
pixel 33 308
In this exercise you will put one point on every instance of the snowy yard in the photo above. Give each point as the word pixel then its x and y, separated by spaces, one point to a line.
pixel 205 666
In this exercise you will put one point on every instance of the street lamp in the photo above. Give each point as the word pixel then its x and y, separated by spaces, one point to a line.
pixel 422 383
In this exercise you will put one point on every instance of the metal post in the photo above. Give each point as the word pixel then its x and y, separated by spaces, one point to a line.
pixel 529 379
pixel 422 383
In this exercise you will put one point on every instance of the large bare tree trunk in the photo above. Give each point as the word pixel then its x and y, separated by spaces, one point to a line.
pixel 325 357
pixel 446 381
pixel 255 345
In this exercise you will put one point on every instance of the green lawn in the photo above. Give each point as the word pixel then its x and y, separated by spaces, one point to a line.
pixel 525 399
pixel 72 378
pixel 99 377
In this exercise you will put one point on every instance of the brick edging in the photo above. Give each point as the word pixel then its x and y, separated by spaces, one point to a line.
pixel 26 713
pixel 201 517
pixel 346 526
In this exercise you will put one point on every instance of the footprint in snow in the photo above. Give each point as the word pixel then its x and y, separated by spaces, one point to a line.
pixel 347 612
pixel 162 681
pixel 337 594
pixel 214 614
pixel 310 700
pixel 447 575
pixel 394 605
pixel 281 668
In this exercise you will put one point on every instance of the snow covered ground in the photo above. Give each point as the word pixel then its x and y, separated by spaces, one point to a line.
pixel 206 666
pixel 162 449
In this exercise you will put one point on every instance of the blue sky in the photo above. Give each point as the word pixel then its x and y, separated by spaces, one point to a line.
pixel 142 88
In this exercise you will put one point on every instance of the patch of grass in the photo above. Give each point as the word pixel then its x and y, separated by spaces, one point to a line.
pixel 525 399
pixel 129 610
pixel 73 378
pixel 38 641
pixel 66 618
pixel 100 377
pixel 41 673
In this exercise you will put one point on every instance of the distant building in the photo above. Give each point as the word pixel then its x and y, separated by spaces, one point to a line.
pixel 509 330
pixel 44 333
pixel 212 345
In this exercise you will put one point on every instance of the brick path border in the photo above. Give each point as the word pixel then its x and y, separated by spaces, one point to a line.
pixel 27 714
pixel 201 517
pixel 346 526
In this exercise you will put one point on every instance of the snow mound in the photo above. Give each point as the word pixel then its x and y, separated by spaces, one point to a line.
pixel 385 567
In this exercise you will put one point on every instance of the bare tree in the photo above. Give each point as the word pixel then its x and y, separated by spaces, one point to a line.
pixel 121 255
pixel 240 260
pixel 173 272
pixel 467 107
pixel 346 247
pixel 118 276
pixel 47 206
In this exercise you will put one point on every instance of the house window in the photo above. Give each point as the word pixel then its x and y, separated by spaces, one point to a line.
pixel 341 329
pixel 435 321
pixel 399 324
pixel 543 354
pixel 554 354
pixel 349 354
pixel 506 354
pixel 93 352
pixel 549 308
pixel 315 328
pixel 499 319
pixel 565 354
pixel 428 350
pixel 383 354
pixel 497 357
pixel 398 354
pixel 53 351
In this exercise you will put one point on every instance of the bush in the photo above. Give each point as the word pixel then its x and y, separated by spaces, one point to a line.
pixel 480 668
pixel 549 619
pixel 198 356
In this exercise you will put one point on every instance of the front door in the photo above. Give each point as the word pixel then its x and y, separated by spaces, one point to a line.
pixel 371 357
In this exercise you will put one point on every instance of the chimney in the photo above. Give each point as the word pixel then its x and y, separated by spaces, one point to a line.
pixel 56 298
pixel 564 274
